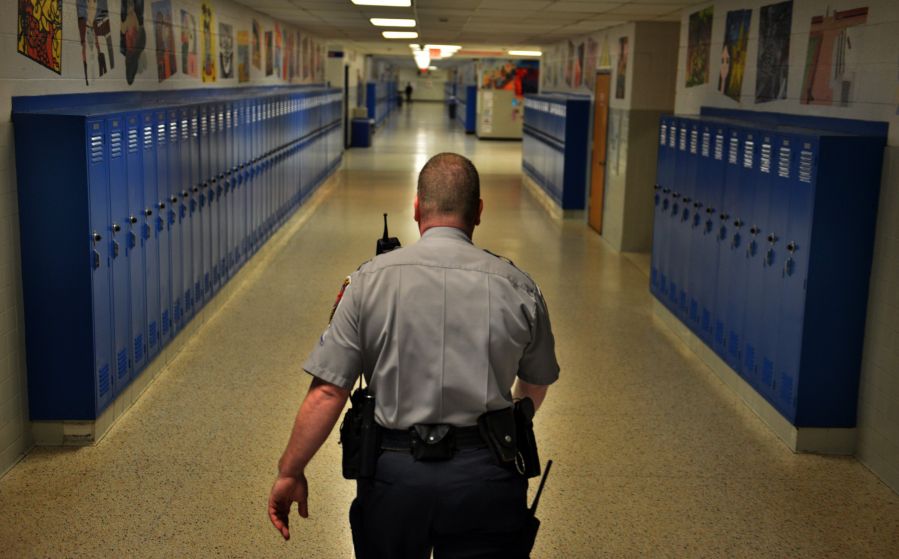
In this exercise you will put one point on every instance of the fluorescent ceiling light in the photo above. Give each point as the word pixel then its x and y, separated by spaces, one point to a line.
pixel 386 22
pixel 400 34
pixel 388 3
pixel 413 46
pixel 422 59
pixel 525 52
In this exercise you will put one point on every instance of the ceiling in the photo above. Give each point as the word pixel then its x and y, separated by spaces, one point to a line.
pixel 481 27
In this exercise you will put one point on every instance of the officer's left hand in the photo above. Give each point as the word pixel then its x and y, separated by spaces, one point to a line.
pixel 285 492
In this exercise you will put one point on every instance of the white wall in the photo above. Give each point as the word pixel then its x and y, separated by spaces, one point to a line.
pixel 20 75
pixel 428 87
pixel 875 69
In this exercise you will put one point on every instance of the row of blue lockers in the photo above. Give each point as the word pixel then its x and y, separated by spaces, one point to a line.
pixel 762 246
pixel 555 140
pixel 380 99
pixel 134 215
pixel 466 97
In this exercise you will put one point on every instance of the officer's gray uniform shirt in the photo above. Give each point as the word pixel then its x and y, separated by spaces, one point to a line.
pixel 440 329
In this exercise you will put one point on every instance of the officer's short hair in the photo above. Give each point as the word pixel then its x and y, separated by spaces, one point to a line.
pixel 449 185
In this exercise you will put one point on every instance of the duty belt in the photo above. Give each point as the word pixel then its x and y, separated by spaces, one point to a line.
pixel 400 440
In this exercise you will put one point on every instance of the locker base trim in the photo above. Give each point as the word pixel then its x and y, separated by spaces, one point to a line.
pixel 816 440
pixel 550 205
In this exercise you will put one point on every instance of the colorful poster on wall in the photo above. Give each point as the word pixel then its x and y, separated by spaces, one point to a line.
pixel 290 58
pixel 621 73
pixel 578 71
pixel 832 58
pixel 775 22
pixel 189 44
pixel 95 32
pixel 277 61
pixel 257 46
pixel 268 54
pixel 306 58
pixel 133 38
pixel 165 38
pixel 733 55
pixel 208 24
pixel 226 51
pixel 520 76
pixel 319 62
pixel 39 34
pixel 699 40
pixel 590 64
pixel 243 56
pixel 568 64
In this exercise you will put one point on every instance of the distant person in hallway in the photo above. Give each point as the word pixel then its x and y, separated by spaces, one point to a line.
pixel 443 333
pixel 408 91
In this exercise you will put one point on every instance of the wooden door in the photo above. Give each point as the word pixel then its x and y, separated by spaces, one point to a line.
pixel 598 159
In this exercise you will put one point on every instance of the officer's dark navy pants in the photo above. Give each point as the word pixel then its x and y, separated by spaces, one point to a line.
pixel 467 507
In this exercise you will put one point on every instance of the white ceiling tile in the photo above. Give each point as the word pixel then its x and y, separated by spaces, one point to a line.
pixel 514 4
pixel 642 9
pixel 590 7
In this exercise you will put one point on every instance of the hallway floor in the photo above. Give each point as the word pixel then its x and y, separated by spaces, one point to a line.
pixel 654 457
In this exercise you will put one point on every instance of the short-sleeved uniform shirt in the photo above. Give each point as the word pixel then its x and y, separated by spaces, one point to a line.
pixel 440 329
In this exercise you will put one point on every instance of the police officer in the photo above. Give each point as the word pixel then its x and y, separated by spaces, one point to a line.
pixel 442 332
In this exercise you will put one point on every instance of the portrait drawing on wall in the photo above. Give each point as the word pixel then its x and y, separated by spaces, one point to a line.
pixel 733 54
pixel 165 38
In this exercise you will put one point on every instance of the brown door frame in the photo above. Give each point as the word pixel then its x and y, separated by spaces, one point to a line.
pixel 592 138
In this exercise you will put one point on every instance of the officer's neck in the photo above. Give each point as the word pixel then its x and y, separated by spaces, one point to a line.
pixel 445 221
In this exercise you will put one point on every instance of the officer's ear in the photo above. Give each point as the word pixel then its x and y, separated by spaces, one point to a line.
pixel 416 213
pixel 477 220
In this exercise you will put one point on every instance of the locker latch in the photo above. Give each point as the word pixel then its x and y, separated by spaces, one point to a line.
pixel 769 255
pixel 788 263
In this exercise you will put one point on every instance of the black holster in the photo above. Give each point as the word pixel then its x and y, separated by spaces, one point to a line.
pixel 360 436
pixel 509 433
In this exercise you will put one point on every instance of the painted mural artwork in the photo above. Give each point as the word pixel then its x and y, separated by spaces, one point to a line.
pixel 699 40
pixel 243 56
pixel 621 73
pixel 733 54
pixel 590 64
pixel 189 44
pixel 207 25
pixel 569 64
pixel 520 76
pixel 257 46
pixel 39 33
pixel 775 22
pixel 578 71
pixel 165 38
pixel 290 39
pixel 277 61
pixel 832 58
pixel 226 51
pixel 268 54
pixel 95 32
pixel 605 54
pixel 133 38
pixel 319 63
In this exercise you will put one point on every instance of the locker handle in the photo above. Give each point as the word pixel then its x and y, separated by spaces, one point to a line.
pixel 666 190
pixel 148 212
pixel 675 195
pixel 96 259
pixel 738 223
pixel 173 199
pixel 697 205
pixel 725 217
pixel 115 249
pixel 791 247
pixel 185 194
pixel 161 205
pixel 196 189
pixel 116 227
pixel 710 211
pixel 755 230
pixel 97 237
pixel 132 220
pixel 772 238
pixel 788 266
pixel 132 239
pixel 687 199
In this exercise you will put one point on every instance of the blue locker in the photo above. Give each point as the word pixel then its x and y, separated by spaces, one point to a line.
pixel 213 195
pixel 697 278
pixel 151 234
pixel 227 199
pixel 727 294
pixel 711 187
pixel 203 199
pixel 173 213
pixel 668 183
pixel 196 223
pixel 117 230
pixel 657 198
pixel 135 246
pixel 162 226
pixel 185 218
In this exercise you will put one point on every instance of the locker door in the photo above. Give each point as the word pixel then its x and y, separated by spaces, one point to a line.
pixel 173 212
pixel 212 196
pixel 203 200
pixel 657 204
pixel 151 233
pixel 797 241
pixel 185 217
pixel 757 225
pixel 117 229
pixel 714 187
pixel 135 245
pixel 162 227
pixel 228 199
pixel 727 255
pixel 196 222
pixel 677 274
pixel 100 244
pixel 697 289
pixel 687 298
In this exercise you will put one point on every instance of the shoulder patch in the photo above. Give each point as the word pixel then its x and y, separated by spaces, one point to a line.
pixel 346 283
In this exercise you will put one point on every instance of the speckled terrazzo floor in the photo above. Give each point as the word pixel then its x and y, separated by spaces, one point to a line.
pixel 653 457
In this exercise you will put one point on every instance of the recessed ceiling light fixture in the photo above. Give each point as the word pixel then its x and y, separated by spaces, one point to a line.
pixel 387 22
pixel 525 53
pixel 400 34
pixel 387 3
